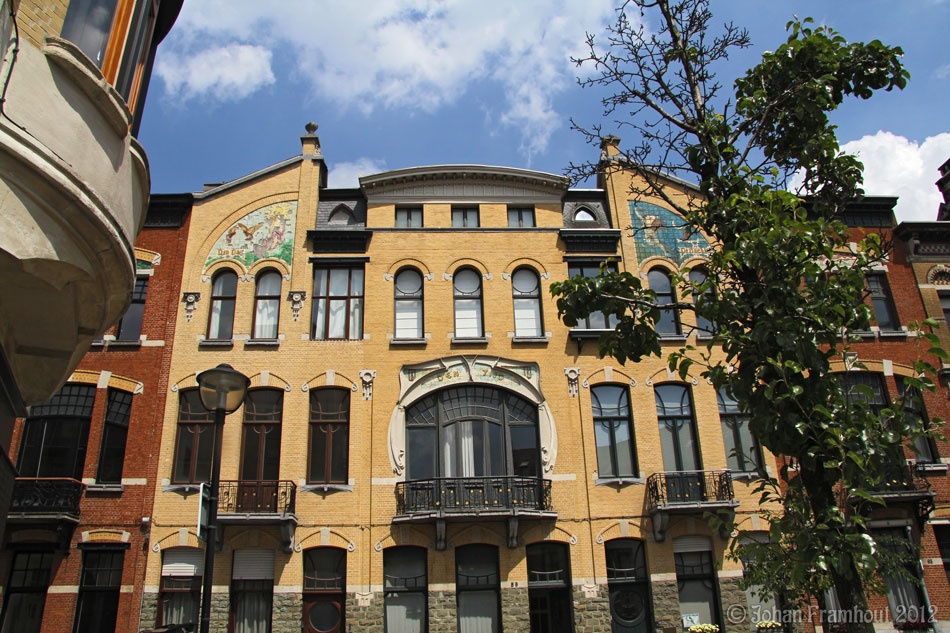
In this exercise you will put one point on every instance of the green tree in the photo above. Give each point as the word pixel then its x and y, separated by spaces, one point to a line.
pixel 782 286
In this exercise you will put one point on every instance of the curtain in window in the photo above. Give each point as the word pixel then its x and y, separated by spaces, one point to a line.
pixel 525 288
pixel 268 304
pixel 408 299
pixel 405 612
pixel 252 612
pixel 478 612
pixel 468 304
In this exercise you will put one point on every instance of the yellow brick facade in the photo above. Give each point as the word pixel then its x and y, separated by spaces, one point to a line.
pixel 585 512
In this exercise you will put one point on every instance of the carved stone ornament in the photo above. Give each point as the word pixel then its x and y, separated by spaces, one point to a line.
pixel 190 299
pixel 939 275
pixel 573 374
pixel 296 299
pixel 367 376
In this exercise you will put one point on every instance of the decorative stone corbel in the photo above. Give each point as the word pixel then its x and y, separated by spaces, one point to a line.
pixel 190 299
pixel 296 299
pixel 573 374
pixel 367 376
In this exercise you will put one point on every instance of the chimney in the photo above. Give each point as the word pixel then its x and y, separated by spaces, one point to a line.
pixel 943 184
pixel 609 146
pixel 310 141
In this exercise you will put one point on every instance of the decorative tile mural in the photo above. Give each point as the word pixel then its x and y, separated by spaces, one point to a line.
pixel 659 232
pixel 266 232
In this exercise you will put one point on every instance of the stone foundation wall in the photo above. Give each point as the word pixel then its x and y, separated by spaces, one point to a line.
pixel 735 606
pixel 592 615
pixel 666 604
pixel 442 613
pixel 149 614
pixel 287 614
pixel 515 614
pixel 367 618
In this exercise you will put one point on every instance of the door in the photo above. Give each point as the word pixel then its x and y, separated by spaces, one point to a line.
pixel 674 408
pixel 260 452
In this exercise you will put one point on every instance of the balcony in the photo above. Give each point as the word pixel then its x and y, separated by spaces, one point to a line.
pixel 906 483
pixel 259 503
pixel 687 492
pixel 473 498
pixel 47 505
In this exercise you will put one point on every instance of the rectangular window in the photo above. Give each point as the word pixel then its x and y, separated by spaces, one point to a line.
pixel 137 45
pixel 25 596
pixel 942 533
pixel 252 590
pixel 629 585
pixel 88 25
pixel 406 589
pixel 477 589
pixel 99 588
pixel 409 217
pixel 696 579
pixel 885 313
pixel 549 587
pixel 195 441
pixel 904 596
pixel 180 591
pixel 613 431
pixel 129 327
pixel 337 303
pixel 925 451
pixel 596 320
pixel 464 218
pixel 945 306
pixel 329 436
pixel 742 451
pixel 520 217
pixel 55 435
pixel 114 435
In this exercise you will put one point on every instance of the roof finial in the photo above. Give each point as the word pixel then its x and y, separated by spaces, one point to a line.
pixel 311 127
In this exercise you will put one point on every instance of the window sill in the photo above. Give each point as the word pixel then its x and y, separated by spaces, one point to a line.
pixel 262 342
pixel 216 342
pixel 121 343
pixel 182 488
pixel 104 488
pixel 672 338
pixel 740 475
pixel 325 488
pixel 530 339
pixel 470 340
pixel 703 337
pixel 619 482
pixel 932 467
pixel 408 341
pixel 580 333
pixel 862 334
pixel 892 333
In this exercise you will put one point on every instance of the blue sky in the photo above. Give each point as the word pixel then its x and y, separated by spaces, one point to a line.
pixel 398 83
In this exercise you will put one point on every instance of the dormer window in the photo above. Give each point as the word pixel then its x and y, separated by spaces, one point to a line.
pixel 341 215
pixel 584 215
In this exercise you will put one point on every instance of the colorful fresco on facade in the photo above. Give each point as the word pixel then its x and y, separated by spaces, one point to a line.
pixel 661 233
pixel 266 232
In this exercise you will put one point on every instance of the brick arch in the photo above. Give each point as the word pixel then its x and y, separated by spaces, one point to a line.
pixel 621 529
pixel 610 375
pixel 325 537
pixel 88 377
pixel 656 261
pixel 105 536
pixel 408 262
pixel 182 537
pixel 475 534
pixel 465 262
pixel 270 262
pixel 526 262
pixel 665 374
pixel 404 535
pixel 329 378
pixel 265 379
pixel 539 533
pixel 145 255
pixel 253 537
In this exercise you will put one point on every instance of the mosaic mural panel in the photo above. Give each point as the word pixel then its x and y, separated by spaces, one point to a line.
pixel 659 232
pixel 266 232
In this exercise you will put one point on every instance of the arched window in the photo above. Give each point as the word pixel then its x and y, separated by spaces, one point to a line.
pixel 549 587
pixel 472 432
pixel 742 451
pixel 405 589
pixel 329 436
pixel 697 277
pixel 408 304
pixel 659 281
pixel 584 215
pixel 195 440
pixel 526 297
pixel 629 586
pixel 341 215
pixel 221 316
pixel 53 442
pixel 324 590
pixel 478 588
pixel 267 304
pixel 674 410
pixel 467 285
pixel 613 431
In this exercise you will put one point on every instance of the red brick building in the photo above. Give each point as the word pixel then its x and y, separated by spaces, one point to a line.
pixel 78 529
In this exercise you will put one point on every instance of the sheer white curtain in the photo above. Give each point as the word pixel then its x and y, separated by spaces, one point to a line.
pixel 405 613
pixel 252 612
pixel 478 611
pixel 268 303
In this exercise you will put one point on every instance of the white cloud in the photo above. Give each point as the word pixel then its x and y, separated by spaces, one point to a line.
pixel 943 72
pixel 226 73
pixel 896 166
pixel 415 54
pixel 348 174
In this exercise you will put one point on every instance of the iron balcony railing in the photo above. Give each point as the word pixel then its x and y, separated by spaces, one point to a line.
pixel 59 496
pixel 257 497
pixel 902 478
pixel 473 496
pixel 690 487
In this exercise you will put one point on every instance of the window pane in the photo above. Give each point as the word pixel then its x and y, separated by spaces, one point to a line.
pixel 205 450
pixel 112 454
pixel 468 318
pixel 356 319
pixel 339 455
pixel 478 611
pixel 222 319
pixel 356 281
pixel 405 612
pixel 602 436
pixel 265 321
pixel 524 451
pixel 130 326
pixel 88 24
pixel 527 317
pixel 337 327
pixel 420 460
pixel 339 282
pixel 409 318
pixel 320 282
pixel 225 284
pixel 319 319
pixel 408 283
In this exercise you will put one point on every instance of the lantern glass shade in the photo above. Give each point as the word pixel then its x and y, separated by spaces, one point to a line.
pixel 222 388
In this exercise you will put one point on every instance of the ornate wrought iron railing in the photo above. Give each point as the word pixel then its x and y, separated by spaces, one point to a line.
pixel 472 495
pixel 46 496
pixel 257 497
pixel 900 478
pixel 690 487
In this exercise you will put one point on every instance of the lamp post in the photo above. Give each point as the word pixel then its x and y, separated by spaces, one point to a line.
pixel 222 390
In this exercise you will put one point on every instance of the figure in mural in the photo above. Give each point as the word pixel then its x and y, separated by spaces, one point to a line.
pixel 265 232
pixel 659 233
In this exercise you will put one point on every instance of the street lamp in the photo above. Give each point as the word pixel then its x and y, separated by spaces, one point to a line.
pixel 222 390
